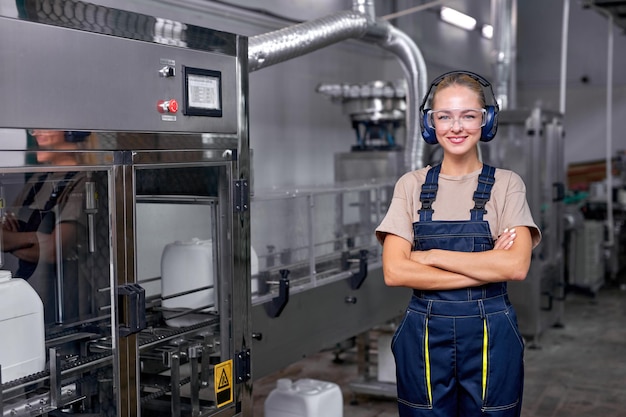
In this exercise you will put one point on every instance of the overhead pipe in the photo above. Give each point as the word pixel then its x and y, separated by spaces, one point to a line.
pixel 610 242
pixel 564 40
pixel 359 23
pixel 610 220
pixel 504 19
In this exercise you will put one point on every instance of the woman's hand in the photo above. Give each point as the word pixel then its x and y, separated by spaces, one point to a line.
pixel 10 223
pixel 505 240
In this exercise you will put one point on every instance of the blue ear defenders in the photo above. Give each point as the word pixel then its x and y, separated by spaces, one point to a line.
pixel 75 135
pixel 490 128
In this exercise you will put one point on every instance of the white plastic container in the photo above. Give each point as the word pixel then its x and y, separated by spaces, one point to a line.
pixel 187 266
pixel 386 362
pixel 304 398
pixel 22 345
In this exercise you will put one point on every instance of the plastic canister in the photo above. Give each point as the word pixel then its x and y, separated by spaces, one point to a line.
pixel 304 398
pixel 22 349
pixel 187 266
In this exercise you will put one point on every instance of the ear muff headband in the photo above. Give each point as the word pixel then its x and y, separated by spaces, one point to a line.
pixel 488 131
pixel 76 135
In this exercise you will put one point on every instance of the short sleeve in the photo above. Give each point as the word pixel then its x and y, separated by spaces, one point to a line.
pixel 399 219
pixel 516 211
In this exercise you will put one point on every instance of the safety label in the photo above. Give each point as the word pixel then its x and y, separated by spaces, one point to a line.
pixel 224 383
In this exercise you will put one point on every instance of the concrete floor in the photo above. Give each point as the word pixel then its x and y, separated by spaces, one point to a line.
pixel 577 370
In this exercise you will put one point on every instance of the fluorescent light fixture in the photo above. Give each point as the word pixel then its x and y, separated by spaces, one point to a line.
pixel 457 18
pixel 487 31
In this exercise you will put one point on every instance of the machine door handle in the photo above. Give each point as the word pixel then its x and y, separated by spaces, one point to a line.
pixel 131 309
pixel 357 278
pixel 278 303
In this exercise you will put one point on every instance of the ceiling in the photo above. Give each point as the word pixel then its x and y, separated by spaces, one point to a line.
pixel 615 8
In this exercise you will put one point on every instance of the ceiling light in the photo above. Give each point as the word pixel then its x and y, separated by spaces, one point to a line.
pixel 487 31
pixel 457 18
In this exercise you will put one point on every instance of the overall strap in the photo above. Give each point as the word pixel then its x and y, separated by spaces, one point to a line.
pixel 58 190
pixel 429 193
pixel 44 219
pixel 30 198
pixel 486 179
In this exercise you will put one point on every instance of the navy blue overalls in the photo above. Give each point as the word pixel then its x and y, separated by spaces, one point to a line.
pixel 458 352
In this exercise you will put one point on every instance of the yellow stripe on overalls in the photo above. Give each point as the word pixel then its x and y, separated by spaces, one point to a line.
pixel 485 349
pixel 427 364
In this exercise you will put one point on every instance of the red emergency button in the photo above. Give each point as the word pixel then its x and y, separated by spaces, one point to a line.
pixel 167 106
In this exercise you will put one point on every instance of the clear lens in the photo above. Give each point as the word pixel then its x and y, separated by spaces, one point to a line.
pixel 38 132
pixel 467 118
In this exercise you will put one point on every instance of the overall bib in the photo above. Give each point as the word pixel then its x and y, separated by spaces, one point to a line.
pixel 40 220
pixel 458 352
pixel 43 276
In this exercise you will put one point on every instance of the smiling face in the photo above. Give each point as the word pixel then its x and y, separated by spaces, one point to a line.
pixel 455 109
pixel 49 141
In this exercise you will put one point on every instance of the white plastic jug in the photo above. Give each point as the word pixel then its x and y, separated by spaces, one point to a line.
pixel 304 398
pixel 22 345
pixel 187 266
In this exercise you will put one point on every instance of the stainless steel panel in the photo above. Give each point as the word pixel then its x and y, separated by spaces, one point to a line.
pixel 322 241
pixel 320 318
pixel 368 165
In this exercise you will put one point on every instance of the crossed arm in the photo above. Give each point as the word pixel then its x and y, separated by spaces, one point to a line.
pixel 438 269
pixel 34 246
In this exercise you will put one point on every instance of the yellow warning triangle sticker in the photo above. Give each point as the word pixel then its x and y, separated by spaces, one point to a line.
pixel 223 380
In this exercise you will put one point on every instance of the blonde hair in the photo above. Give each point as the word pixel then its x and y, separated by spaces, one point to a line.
pixel 463 80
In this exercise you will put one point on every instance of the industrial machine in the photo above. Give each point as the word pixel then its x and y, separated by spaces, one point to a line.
pixel 530 142
pixel 377 113
pixel 320 279
pixel 124 183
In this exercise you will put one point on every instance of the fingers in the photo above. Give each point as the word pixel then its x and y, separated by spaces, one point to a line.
pixel 506 239
pixel 9 222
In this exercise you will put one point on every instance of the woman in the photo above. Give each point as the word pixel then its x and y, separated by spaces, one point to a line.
pixel 458 350
pixel 45 228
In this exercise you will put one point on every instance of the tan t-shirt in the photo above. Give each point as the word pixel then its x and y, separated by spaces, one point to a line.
pixel 506 208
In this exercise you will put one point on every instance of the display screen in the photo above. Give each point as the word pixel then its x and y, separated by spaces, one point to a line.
pixel 203 92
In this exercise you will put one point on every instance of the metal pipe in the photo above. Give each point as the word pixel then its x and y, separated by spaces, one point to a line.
pixel 609 137
pixel 412 10
pixel 291 42
pixel 610 241
pixel 414 67
pixel 504 19
pixel 365 7
pixel 564 39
